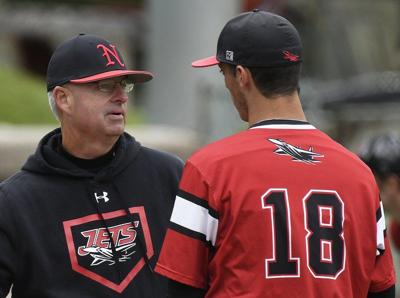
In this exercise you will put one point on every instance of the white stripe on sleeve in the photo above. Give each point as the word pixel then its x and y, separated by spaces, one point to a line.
pixel 195 217
pixel 380 230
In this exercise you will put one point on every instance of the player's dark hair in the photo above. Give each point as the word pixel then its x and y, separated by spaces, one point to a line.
pixel 382 154
pixel 275 81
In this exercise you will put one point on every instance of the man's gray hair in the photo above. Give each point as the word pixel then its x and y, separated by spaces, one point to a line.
pixel 53 105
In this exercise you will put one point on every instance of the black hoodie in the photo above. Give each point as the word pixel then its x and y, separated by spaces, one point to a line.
pixel 57 219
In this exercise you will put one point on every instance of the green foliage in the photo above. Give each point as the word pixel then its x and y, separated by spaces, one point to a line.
pixel 80 2
pixel 23 98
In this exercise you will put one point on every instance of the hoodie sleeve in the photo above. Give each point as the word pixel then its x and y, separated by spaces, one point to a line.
pixel 7 248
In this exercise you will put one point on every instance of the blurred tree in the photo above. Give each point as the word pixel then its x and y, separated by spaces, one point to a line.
pixel 82 2
pixel 23 98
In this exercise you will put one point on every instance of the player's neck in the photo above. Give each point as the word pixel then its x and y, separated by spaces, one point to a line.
pixel 282 107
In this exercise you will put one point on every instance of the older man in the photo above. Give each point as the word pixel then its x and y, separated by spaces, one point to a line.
pixel 87 213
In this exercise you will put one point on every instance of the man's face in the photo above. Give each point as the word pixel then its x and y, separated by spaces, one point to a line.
pixel 237 95
pixel 97 110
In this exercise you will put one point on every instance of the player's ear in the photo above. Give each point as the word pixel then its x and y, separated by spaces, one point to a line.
pixel 62 97
pixel 243 76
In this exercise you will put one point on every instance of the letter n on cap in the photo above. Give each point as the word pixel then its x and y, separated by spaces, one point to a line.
pixel 108 53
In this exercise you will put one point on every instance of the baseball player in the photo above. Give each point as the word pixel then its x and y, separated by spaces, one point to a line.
pixel 382 154
pixel 278 210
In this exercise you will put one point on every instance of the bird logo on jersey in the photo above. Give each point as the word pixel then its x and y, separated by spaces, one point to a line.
pixel 297 154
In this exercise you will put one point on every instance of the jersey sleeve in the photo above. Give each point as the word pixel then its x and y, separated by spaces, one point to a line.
pixel 384 275
pixel 192 234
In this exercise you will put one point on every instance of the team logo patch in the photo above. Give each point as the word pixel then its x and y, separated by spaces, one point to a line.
pixel 290 56
pixel 90 249
pixel 111 54
pixel 103 197
pixel 97 244
pixel 229 55
pixel 297 154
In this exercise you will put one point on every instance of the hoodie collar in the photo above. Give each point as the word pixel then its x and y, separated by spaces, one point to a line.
pixel 48 160
pixel 92 165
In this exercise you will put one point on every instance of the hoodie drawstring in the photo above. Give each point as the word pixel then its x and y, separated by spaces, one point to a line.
pixel 141 241
pixel 142 244
pixel 113 248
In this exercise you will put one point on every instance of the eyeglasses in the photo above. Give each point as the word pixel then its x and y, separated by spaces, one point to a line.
pixel 109 85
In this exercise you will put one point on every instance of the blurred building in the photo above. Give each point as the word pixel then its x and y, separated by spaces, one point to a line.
pixel 344 41
pixel 30 30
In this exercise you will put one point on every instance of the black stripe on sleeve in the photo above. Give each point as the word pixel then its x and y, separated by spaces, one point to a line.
pixel 198 201
pixel 378 217
pixel 189 233
pixel 388 293
pixel 378 214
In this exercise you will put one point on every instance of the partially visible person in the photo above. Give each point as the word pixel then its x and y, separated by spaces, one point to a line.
pixel 278 210
pixel 382 154
pixel 86 215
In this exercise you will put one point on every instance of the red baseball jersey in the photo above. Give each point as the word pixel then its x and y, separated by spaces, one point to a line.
pixel 278 210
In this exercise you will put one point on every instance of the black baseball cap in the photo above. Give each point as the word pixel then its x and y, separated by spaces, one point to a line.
pixel 256 39
pixel 382 153
pixel 88 58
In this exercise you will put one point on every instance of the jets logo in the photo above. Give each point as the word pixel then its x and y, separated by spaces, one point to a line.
pixel 297 154
pixel 98 244
pixel 90 248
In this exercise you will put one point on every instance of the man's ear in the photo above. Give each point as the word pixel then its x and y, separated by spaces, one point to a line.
pixel 243 76
pixel 63 98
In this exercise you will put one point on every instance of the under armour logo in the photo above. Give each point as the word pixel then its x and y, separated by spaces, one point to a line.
pixel 102 197
pixel 229 55
pixel 108 53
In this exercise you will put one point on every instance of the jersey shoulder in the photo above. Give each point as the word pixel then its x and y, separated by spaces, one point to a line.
pixel 221 150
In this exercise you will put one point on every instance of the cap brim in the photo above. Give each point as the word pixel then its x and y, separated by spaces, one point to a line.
pixel 138 76
pixel 209 61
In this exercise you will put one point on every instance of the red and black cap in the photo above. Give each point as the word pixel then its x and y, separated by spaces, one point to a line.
pixel 87 58
pixel 256 39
